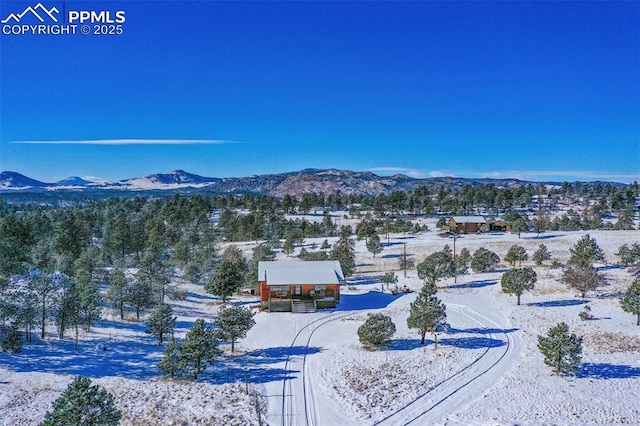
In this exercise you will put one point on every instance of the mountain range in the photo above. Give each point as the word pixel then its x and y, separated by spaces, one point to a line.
pixel 297 183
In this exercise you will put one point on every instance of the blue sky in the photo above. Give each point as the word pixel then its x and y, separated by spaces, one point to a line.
pixel 534 90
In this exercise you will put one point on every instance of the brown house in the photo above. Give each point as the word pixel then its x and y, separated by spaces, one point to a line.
pixel 500 226
pixel 299 286
pixel 466 224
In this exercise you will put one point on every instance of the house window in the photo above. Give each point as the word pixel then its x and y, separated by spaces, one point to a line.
pixel 298 290
pixel 321 287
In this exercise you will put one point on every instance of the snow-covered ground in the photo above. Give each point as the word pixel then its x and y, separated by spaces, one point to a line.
pixel 310 369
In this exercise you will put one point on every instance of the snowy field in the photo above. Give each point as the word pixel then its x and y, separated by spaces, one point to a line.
pixel 310 369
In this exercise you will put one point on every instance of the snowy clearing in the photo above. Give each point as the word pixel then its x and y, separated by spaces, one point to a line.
pixel 310 369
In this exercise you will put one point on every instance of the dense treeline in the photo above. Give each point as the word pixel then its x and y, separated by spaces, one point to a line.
pixel 55 258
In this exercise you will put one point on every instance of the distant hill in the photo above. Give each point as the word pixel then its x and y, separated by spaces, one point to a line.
pixel 74 181
pixel 16 181
pixel 328 181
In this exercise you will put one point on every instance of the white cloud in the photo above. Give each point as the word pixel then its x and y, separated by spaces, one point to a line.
pixel 437 174
pixel 130 142
pixel 399 170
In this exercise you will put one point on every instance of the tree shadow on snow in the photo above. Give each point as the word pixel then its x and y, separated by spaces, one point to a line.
pixel 131 359
pixel 407 344
pixel 558 303
pixel 607 371
pixel 369 300
pixel 252 365
pixel 481 330
pixel 471 342
pixel 474 284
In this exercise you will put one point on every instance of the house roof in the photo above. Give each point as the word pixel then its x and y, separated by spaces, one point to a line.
pixel 300 272
pixel 469 219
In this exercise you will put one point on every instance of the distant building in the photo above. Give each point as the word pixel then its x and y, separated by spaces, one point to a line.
pixel 499 226
pixel 299 286
pixel 466 224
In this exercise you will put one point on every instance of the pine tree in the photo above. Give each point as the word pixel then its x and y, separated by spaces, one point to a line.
pixel 139 295
pixel 437 266
pixel 562 351
pixel 161 321
pixel 515 254
pixel 229 274
pixel 585 252
pixel 427 312
pixel 374 245
pixel 10 339
pixel 344 251
pixel 233 323
pixel 45 288
pixel 89 299
pixel 118 291
pixel 516 281
pixel 83 404
pixel 170 364
pixel 199 348
pixel 631 300
pixel 583 278
pixel 376 331
pixel 541 255
pixel 628 255
pixel 484 260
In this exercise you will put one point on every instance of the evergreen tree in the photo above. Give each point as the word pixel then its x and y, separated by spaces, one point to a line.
pixel 199 348
pixel 83 404
pixel 118 290
pixel 139 295
pixel 229 274
pixel 161 322
pixel 376 331
pixel 629 255
pixel 437 266
pixel 462 261
pixel 484 260
pixel 427 312
pixel 344 251
pixel 583 278
pixel 10 339
pixel 374 245
pixel 45 288
pixel 515 254
pixel 170 364
pixel 631 300
pixel 89 299
pixel 516 281
pixel 562 351
pixel 541 255
pixel 289 246
pixel 585 252
pixel 233 323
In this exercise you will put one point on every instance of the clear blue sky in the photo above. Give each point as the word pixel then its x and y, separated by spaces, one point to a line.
pixel 535 90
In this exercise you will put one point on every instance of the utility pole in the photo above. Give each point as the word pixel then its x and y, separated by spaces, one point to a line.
pixel 404 263
pixel 455 267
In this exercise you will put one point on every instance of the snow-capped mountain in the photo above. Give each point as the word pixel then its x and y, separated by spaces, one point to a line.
pixel 173 179
pixel 16 181
pixel 74 181
pixel 327 181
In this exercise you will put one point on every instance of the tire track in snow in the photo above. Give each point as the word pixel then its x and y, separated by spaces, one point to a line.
pixel 414 410
pixel 308 396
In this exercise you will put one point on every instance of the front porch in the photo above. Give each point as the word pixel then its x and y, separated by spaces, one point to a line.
pixel 285 299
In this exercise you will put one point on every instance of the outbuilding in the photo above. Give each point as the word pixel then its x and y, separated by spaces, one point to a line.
pixel 299 286
pixel 466 224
